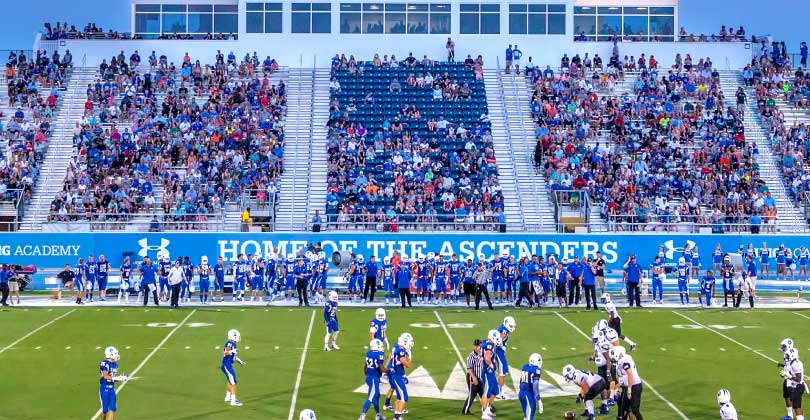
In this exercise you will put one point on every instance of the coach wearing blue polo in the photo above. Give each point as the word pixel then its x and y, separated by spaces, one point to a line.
pixel 370 288
pixel 633 271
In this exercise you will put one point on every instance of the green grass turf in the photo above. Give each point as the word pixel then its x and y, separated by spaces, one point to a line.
pixel 53 373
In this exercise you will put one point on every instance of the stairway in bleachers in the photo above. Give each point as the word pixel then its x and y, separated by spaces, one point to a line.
pixel 317 162
pixel 789 217
pixel 513 133
pixel 60 149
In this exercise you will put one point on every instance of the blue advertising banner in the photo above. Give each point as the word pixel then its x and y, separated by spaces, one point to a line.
pixel 53 250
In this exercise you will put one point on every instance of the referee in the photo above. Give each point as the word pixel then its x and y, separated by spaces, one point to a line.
pixel 475 363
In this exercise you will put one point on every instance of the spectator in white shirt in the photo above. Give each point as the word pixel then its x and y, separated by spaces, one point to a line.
pixel 176 278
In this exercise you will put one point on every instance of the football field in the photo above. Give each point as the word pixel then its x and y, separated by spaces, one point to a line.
pixel 49 360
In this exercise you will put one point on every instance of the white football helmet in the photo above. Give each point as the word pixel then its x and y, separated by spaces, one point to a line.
pixel 380 314
pixel 307 414
pixel 290 257
pixel 601 325
pixel 431 256
pixel 322 255
pixel 793 354
pixel 376 345
pixel 617 352
pixel 605 297
pixel 495 337
pixel 404 258
pixel 421 258
pixel 786 345
pixel 333 296
pixel 682 260
pixel 536 360
pixel 112 353
pixel 505 254
pixel 510 324
pixel 568 372
pixel 406 340
pixel 610 306
pixel 309 255
pixel 234 335
pixel 204 259
pixel 723 396
pixel 387 260
pixel 596 336
pixel 360 258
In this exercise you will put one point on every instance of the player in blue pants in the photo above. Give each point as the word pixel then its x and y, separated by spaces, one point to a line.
pixel 529 394
pixel 374 368
pixel 109 376
pixel 682 272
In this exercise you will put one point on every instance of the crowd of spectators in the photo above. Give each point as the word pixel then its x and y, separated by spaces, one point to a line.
pixel 34 85
pixel 57 31
pixel 408 167
pixel 725 34
pixel 672 152
pixel 205 133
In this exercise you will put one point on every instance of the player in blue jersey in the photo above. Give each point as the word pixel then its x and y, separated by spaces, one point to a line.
pixel 379 327
pixel 289 276
pixel 502 366
pixel 455 276
pixel 511 269
pixel 204 271
pixel 187 286
pixel 529 393
pixel 682 272
pixel 535 277
pixel 781 257
pixel 240 278
pixel 373 368
pixel 399 361
pixel 497 276
pixel 103 269
pixel 228 357
pixel 125 273
pixel 270 265
pixel 707 286
pixel 717 258
pixel 388 279
pixel 257 279
pixel 164 264
pixel 90 270
pixel 81 281
pixel 441 279
pixel 657 272
pixel 331 321
pixel 727 272
pixel 765 261
pixel 489 385
pixel 352 274
pixel 219 279
pixel 422 275
pixel 311 267
pixel 109 376
pixel 323 272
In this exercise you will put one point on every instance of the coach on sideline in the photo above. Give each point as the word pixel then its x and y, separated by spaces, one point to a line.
pixel 176 277
pixel 370 288
pixel 475 363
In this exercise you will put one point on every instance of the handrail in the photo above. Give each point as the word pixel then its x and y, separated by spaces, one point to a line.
pixel 311 142
pixel 509 144
pixel 529 153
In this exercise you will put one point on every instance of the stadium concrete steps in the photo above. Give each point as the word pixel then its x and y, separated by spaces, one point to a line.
pixel 789 216
pixel 317 158
pixel 60 149
pixel 526 195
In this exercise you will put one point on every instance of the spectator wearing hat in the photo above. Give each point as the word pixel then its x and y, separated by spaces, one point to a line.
pixel 475 363
pixel 633 274
pixel 589 283
pixel 576 269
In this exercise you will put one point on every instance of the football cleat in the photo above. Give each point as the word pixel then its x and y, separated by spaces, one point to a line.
pixel 236 403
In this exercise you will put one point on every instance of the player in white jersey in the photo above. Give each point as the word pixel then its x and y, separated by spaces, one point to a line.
pixel 590 385
pixel 630 382
pixel 604 366
pixel 727 410
pixel 785 347
pixel 615 320
pixel 793 372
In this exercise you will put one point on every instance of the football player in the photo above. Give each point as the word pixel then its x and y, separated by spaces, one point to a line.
pixel 187 286
pixel 441 279
pixel 455 276
pixel 511 270
pixel 81 271
pixel 604 366
pixel 727 410
pixel 657 270
pixel 379 327
pixel 229 356
pixel 388 279
pixel 529 394
pixel 271 275
pixel 422 274
pixel 323 270
pixel 707 284
pixel 219 279
pixel 785 347
pixel 164 265
pixel 125 273
pixel 496 273
pixel 102 273
pixel 331 321
pixel 615 320
pixel 727 274
pixel 590 386
pixel 289 276
pixel 204 271
pixel 257 279
pixel 490 382
pixel 240 277
pixel 502 366
pixel 109 376
pixel 399 361
pixel 374 367
pixel 683 273
pixel 90 270
pixel 630 381
pixel 307 414
pixel 793 372
pixel 353 274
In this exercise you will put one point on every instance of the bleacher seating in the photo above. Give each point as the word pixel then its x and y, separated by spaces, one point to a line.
pixel 419 153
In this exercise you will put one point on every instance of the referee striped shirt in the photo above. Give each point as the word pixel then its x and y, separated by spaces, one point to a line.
pixel 475 363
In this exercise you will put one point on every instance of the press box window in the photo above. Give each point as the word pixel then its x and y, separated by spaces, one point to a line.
pixel 482 19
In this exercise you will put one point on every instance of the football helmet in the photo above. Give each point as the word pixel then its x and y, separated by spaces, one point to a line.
pixel 617 352
pixel 793 354
pixel 510 324
pixel 495 337
pixel 568 372
pixel 360 258
pixel 112 353
pixel 204 259
pixel 333 296
pixel 387 260
pixel 380 314
pixel 307 414
pixel 290 257
pixel 682 260
pixel 406 340
pixel 605 297
pixel 601 325
pixel 723 396
pixel 786 345
pixel 536 360
pixel 234 335
pixel 376 345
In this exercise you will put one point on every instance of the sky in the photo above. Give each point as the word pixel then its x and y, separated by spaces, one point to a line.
pixel 785 20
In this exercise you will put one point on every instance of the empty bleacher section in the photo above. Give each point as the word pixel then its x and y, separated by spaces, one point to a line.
pixel 410 147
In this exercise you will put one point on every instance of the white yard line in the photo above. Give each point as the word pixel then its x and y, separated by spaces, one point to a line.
pixel 452 342
pixel 149 356
pixel 802 315
pixel 647 384
pixel 301 368
pixel 34 331
pixel 757 352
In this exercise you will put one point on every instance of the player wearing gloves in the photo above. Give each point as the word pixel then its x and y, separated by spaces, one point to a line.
pixel 229 356
pixel 727 410
pixel 379 327
pixel 793 372
pixel 109 376
pixel 529 394
pixel 785 347
pixel 590 385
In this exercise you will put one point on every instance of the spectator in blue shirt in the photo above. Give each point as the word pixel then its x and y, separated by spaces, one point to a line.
pixel 4 284
pixel 632 272
pixel 576 269
pixel 371 280
pixel 589 283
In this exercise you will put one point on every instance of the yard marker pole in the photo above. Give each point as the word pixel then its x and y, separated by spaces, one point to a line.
pixel 757 352
pixel 301 367
pixel 647 384
pixel 802 315
pixel 149 356
pixel 3 350
pixel 449 337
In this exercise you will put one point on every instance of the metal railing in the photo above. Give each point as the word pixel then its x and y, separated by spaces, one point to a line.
pixel 571 209
pixel 630 223
pixel 261 203
pixel 509 142
pixel 139 222
pixel 404 223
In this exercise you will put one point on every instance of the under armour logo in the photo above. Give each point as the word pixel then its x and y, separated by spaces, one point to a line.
pixel 671 249
pixel 145 247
